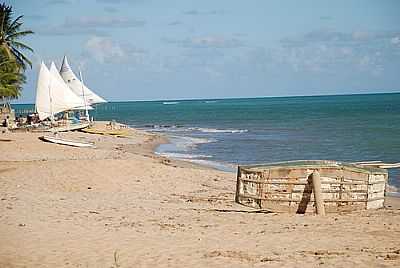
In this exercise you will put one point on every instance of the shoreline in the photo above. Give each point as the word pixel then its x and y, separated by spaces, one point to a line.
pixel 121 204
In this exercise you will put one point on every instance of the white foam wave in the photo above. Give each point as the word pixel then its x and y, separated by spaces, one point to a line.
pixel 184 156
pixel 174 128
pixel 392 189
pixel 214 130
pixel 189 142
pixel 214 164
pixel 170 102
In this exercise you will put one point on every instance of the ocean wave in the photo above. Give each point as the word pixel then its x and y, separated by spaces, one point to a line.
pixel 177 128
pixel 200 160
pixel 214 130
pixel 165 128
pixel 392 189
pixel 214 164
pixel 184 156
pixel 170 102
pixel 186 143
pixel 182 145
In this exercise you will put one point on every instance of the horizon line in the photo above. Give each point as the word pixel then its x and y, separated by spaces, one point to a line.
pixel 233 98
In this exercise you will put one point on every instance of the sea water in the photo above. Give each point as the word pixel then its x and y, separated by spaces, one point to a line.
pixel 224 133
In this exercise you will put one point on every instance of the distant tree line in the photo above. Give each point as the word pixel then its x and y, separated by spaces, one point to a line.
pixel 13 62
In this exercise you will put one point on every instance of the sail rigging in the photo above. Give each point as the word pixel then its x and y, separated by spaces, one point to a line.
pixel 68 91
pixel 77 86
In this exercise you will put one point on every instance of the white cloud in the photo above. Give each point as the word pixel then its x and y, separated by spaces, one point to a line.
pixel 329 51
pixel 95 25
pixel 102 22
pixel 105 50
pixel 395 40
pixel 208 41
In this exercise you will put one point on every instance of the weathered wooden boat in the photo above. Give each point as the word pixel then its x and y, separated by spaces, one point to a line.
pixel 289 186
pixel 61 141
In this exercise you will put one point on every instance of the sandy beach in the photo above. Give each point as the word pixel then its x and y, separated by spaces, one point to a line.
pixel 120 205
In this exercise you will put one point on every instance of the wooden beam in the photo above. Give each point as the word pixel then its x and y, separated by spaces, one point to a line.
pixel 319 202
pixel 298 200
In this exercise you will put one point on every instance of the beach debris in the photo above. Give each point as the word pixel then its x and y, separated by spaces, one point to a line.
pixel 93 212
pixel 312 186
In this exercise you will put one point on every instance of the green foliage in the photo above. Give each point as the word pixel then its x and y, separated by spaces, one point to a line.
pixel 10 33
pixel 12 61
pixel 11 78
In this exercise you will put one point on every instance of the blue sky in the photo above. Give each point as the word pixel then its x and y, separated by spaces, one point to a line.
pixel 148 49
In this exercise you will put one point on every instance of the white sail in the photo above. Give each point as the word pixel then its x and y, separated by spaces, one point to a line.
pixel 72 100
pixel 53 95
pixel 77 86
pixel 43 93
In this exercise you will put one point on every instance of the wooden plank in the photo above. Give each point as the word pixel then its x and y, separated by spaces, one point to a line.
pixel 367 162
pixel 323 191
pixel 305 183
pixel 386 166
pixel 298 200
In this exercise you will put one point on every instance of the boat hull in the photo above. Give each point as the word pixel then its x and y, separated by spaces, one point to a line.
pixel 66 142
pixel 70 127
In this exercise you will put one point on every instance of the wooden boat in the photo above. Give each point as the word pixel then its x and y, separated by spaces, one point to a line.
pixel 289 186
pixel 68 127
pixel 66 142
pixel 117 133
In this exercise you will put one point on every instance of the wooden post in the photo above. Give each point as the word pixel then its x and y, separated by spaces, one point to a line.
pixel 237 199
pixel 319 202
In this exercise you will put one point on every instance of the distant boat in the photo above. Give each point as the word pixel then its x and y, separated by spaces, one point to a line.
pixel 66 142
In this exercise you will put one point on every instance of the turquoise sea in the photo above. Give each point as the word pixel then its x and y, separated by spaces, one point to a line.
pixel 227 132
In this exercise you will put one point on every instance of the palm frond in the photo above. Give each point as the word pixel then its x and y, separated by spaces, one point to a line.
pixel 18 35
pixel 21 58
pixel 16 22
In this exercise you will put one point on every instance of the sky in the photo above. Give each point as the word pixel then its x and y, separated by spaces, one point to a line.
pixel 184 49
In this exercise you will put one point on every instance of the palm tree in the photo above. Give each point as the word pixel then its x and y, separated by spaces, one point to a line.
pixel 10 33
pixel 11 78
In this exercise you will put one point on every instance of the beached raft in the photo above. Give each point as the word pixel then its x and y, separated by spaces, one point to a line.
pixel 116 133
pixel 289 187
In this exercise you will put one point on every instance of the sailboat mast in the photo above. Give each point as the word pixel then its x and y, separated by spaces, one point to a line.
pixel 51 104
pixel 83 95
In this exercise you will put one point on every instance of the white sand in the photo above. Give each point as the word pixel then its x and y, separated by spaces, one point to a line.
pixel 121 206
